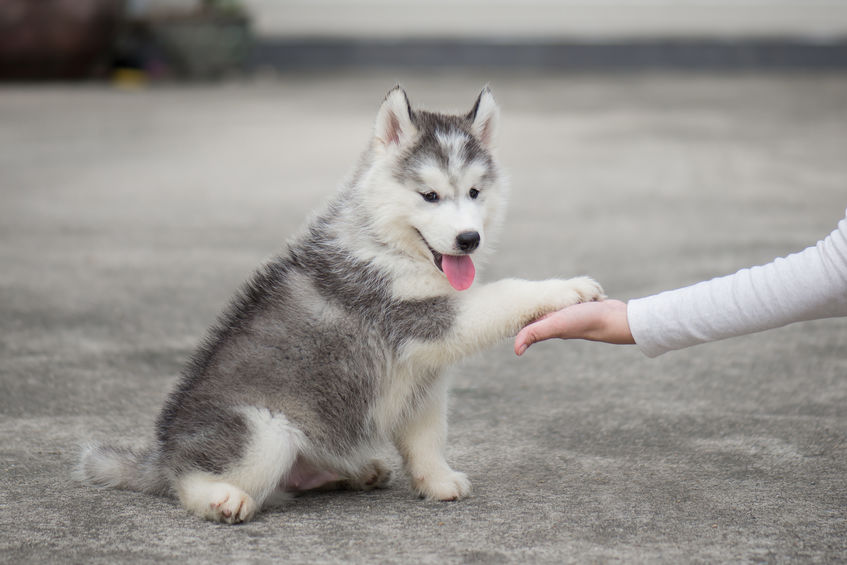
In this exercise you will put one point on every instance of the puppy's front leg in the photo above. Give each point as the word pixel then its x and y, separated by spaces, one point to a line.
pixel 420 440
pixel 499 310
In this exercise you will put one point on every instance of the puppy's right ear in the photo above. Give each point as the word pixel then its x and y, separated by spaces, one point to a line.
pixel 394 125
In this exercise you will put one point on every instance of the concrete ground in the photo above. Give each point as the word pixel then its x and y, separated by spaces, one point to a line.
pixel 128 218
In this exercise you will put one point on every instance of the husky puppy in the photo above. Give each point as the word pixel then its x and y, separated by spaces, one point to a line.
pixel 338 345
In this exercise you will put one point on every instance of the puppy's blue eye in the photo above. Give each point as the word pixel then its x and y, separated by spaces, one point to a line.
pixel 473 193
pixel 430 196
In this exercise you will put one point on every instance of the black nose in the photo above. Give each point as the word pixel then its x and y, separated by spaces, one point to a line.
pixel 467 241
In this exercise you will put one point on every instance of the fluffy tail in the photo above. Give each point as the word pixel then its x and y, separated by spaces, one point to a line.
pixel 121 468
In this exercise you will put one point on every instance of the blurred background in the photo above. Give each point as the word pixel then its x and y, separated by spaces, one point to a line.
pixel 200 39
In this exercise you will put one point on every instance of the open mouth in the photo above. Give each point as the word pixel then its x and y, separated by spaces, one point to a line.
pixel 459 269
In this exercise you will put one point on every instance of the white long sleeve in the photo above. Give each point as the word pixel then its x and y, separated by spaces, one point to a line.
pixel 804 286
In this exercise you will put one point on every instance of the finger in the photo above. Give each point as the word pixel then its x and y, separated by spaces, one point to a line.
pixel 522 341
pixel 535 332
pixel 525 337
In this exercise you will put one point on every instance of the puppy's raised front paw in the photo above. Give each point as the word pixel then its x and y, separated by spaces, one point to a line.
pixel 555 294
pixel 450 485
pixel 586 289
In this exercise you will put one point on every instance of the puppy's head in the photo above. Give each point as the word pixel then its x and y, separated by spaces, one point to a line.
pixel 439 191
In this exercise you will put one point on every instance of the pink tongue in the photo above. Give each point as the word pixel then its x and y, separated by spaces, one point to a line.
pixel 459 270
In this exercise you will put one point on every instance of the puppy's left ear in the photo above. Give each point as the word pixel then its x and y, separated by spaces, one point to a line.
pixel 484 117
pixel 394 125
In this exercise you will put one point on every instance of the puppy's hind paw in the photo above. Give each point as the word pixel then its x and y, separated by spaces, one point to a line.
pixel 232 506
pixel 218 501
pixel 373 476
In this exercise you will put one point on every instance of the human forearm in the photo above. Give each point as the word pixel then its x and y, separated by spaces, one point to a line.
pixel 804 286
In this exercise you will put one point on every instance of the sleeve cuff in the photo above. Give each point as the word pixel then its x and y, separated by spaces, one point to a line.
pixel 639 319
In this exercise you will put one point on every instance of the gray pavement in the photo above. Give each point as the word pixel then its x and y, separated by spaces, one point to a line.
pixel 128 218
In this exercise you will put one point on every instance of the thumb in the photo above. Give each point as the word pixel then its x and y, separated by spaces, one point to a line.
pixel 534 332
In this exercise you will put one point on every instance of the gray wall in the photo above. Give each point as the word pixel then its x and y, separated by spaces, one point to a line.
pixel 602 20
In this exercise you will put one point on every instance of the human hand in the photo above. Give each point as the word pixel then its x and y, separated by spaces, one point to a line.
pixel 595 321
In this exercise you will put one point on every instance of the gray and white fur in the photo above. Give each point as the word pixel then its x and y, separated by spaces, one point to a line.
pixel 338 345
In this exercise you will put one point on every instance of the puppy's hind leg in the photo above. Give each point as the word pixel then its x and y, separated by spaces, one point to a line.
pixel 374 475
pixel 238 493
pixel 305 476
